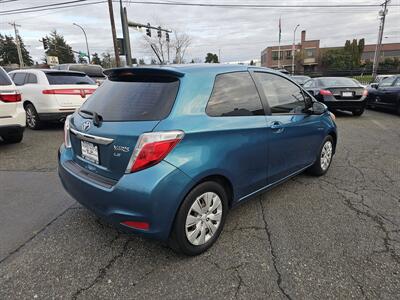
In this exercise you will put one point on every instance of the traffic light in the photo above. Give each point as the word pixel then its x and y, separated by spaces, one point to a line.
pixel 148 31
pixel 45 43
pixel 159 31
pixel 167 37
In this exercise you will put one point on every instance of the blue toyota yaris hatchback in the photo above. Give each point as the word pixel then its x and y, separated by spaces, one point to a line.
pixel 167 151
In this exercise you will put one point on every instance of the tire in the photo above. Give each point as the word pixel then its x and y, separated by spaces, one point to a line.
pixel 13 138
pixel 196 237
pixel 32 117
pixel 398 108
pixel 320 167
pixel 358 112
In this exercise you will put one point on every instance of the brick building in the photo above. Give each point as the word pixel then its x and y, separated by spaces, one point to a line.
pixel 308 54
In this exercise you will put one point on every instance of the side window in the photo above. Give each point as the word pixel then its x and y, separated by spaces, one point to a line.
pixel 31 78
pixel 19 78
pixel 387 81
pixel 283 96
pixel 397 82
pixel 234 94
pixel 309 84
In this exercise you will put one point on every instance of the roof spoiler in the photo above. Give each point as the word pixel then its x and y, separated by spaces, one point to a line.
pixel 167 72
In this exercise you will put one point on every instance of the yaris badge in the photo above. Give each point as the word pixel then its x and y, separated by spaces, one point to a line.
pixel 86 126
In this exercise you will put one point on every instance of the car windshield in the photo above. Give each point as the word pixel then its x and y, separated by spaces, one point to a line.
pixel 55 78
pixel 338 82
pixel 142 98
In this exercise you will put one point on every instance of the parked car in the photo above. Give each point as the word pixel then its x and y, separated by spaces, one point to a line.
pixel 284 71
pixel 300 79
pixel 51 95
pixel 339 93
pixel 167 151
pixel 385 94
pixel 12 113
pixel 93 71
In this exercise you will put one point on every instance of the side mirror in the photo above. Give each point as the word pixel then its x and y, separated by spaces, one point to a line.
pixel 319 108
pixel 375 85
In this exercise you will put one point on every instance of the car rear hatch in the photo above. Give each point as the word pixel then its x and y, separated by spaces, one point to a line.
pixel 131 102
pixel 346 93
pixel 70 89
pixel 9 97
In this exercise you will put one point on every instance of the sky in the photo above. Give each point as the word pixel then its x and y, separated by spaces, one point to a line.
pixel 239 34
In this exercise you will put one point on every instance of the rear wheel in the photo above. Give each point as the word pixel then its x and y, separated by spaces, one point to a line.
pixel 200 219
pixel 358 112
pixel 32 117
pixel 324 159
pixel 13 138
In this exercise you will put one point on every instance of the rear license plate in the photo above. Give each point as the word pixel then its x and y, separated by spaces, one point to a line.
pixel 347 94
pixel 90 152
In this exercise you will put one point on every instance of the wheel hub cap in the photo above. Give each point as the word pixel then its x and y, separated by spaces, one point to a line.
pixel 326 155
pixel 203 218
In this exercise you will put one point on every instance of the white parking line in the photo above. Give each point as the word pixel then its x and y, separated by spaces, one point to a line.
pixel 379 124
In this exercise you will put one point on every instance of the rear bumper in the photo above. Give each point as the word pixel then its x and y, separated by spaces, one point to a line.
pixel 11 130
pixel 55 116
pixel 346 104
pixel 152 195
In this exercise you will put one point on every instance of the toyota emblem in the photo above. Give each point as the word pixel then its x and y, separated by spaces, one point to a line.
pixel 86 126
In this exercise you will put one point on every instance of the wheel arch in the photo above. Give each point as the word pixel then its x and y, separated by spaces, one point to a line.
pixel 333 134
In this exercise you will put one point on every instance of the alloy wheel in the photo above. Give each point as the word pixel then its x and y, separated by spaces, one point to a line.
pixel 30 117
pixel 326 155
pixel 203 218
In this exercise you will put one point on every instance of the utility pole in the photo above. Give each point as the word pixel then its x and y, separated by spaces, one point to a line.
pixel 382 15
pixel 125 31
pixel 114 34
pixel 20 58
pixel 294 47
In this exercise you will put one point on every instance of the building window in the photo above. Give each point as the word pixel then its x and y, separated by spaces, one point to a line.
pixel 275 54
pixel 310 53
pixel 288 54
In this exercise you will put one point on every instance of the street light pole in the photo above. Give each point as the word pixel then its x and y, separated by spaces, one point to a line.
pixel 294 47
pixel 87 45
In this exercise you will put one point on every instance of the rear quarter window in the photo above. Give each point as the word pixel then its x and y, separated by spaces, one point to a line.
pixel 234 94
pixel 134 99
pixel 55 78
pixel 4 79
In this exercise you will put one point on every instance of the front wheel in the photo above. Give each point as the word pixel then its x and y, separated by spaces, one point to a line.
pixel 324 159
pixel 13 138
pixel 200 219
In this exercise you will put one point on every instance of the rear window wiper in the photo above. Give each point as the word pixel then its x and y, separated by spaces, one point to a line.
pixel 95 116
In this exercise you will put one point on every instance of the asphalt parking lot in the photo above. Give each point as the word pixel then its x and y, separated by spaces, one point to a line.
pixel 337 236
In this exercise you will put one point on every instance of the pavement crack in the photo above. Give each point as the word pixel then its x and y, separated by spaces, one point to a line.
pixel 273 253
pixel 36 234
pixel 103 271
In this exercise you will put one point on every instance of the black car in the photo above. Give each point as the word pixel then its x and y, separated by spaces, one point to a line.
pixel 385 94
pixel 338 93
pixel 300 79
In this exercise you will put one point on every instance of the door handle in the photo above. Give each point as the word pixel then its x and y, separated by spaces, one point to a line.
pixel 277 126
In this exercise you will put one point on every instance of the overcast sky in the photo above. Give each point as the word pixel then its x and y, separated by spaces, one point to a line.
pixel 239 33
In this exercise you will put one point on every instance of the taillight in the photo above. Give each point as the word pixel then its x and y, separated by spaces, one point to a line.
pixel 137 225
pixel 81 92
pixel 325 93
pixel 365 93
pixel 67 137
pixel 10 97
pixel 151 148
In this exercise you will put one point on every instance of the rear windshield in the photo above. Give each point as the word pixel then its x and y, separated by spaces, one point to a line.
pixel 338 82
pixel 4 79
pixel 90 70
pixel 68 78
pixel 139 99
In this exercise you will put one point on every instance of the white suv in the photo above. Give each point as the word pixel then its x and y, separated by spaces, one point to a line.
pixel 51 95
pixel 12 114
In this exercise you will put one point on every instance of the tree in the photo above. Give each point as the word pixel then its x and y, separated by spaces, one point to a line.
pixel 96 59
pixel 177 47
pixel 59 47
pixel 348 57
pixel 9 53
pixel 211 58
pixel 252 63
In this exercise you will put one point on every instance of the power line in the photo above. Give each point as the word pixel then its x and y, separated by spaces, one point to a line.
pixel 76 3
